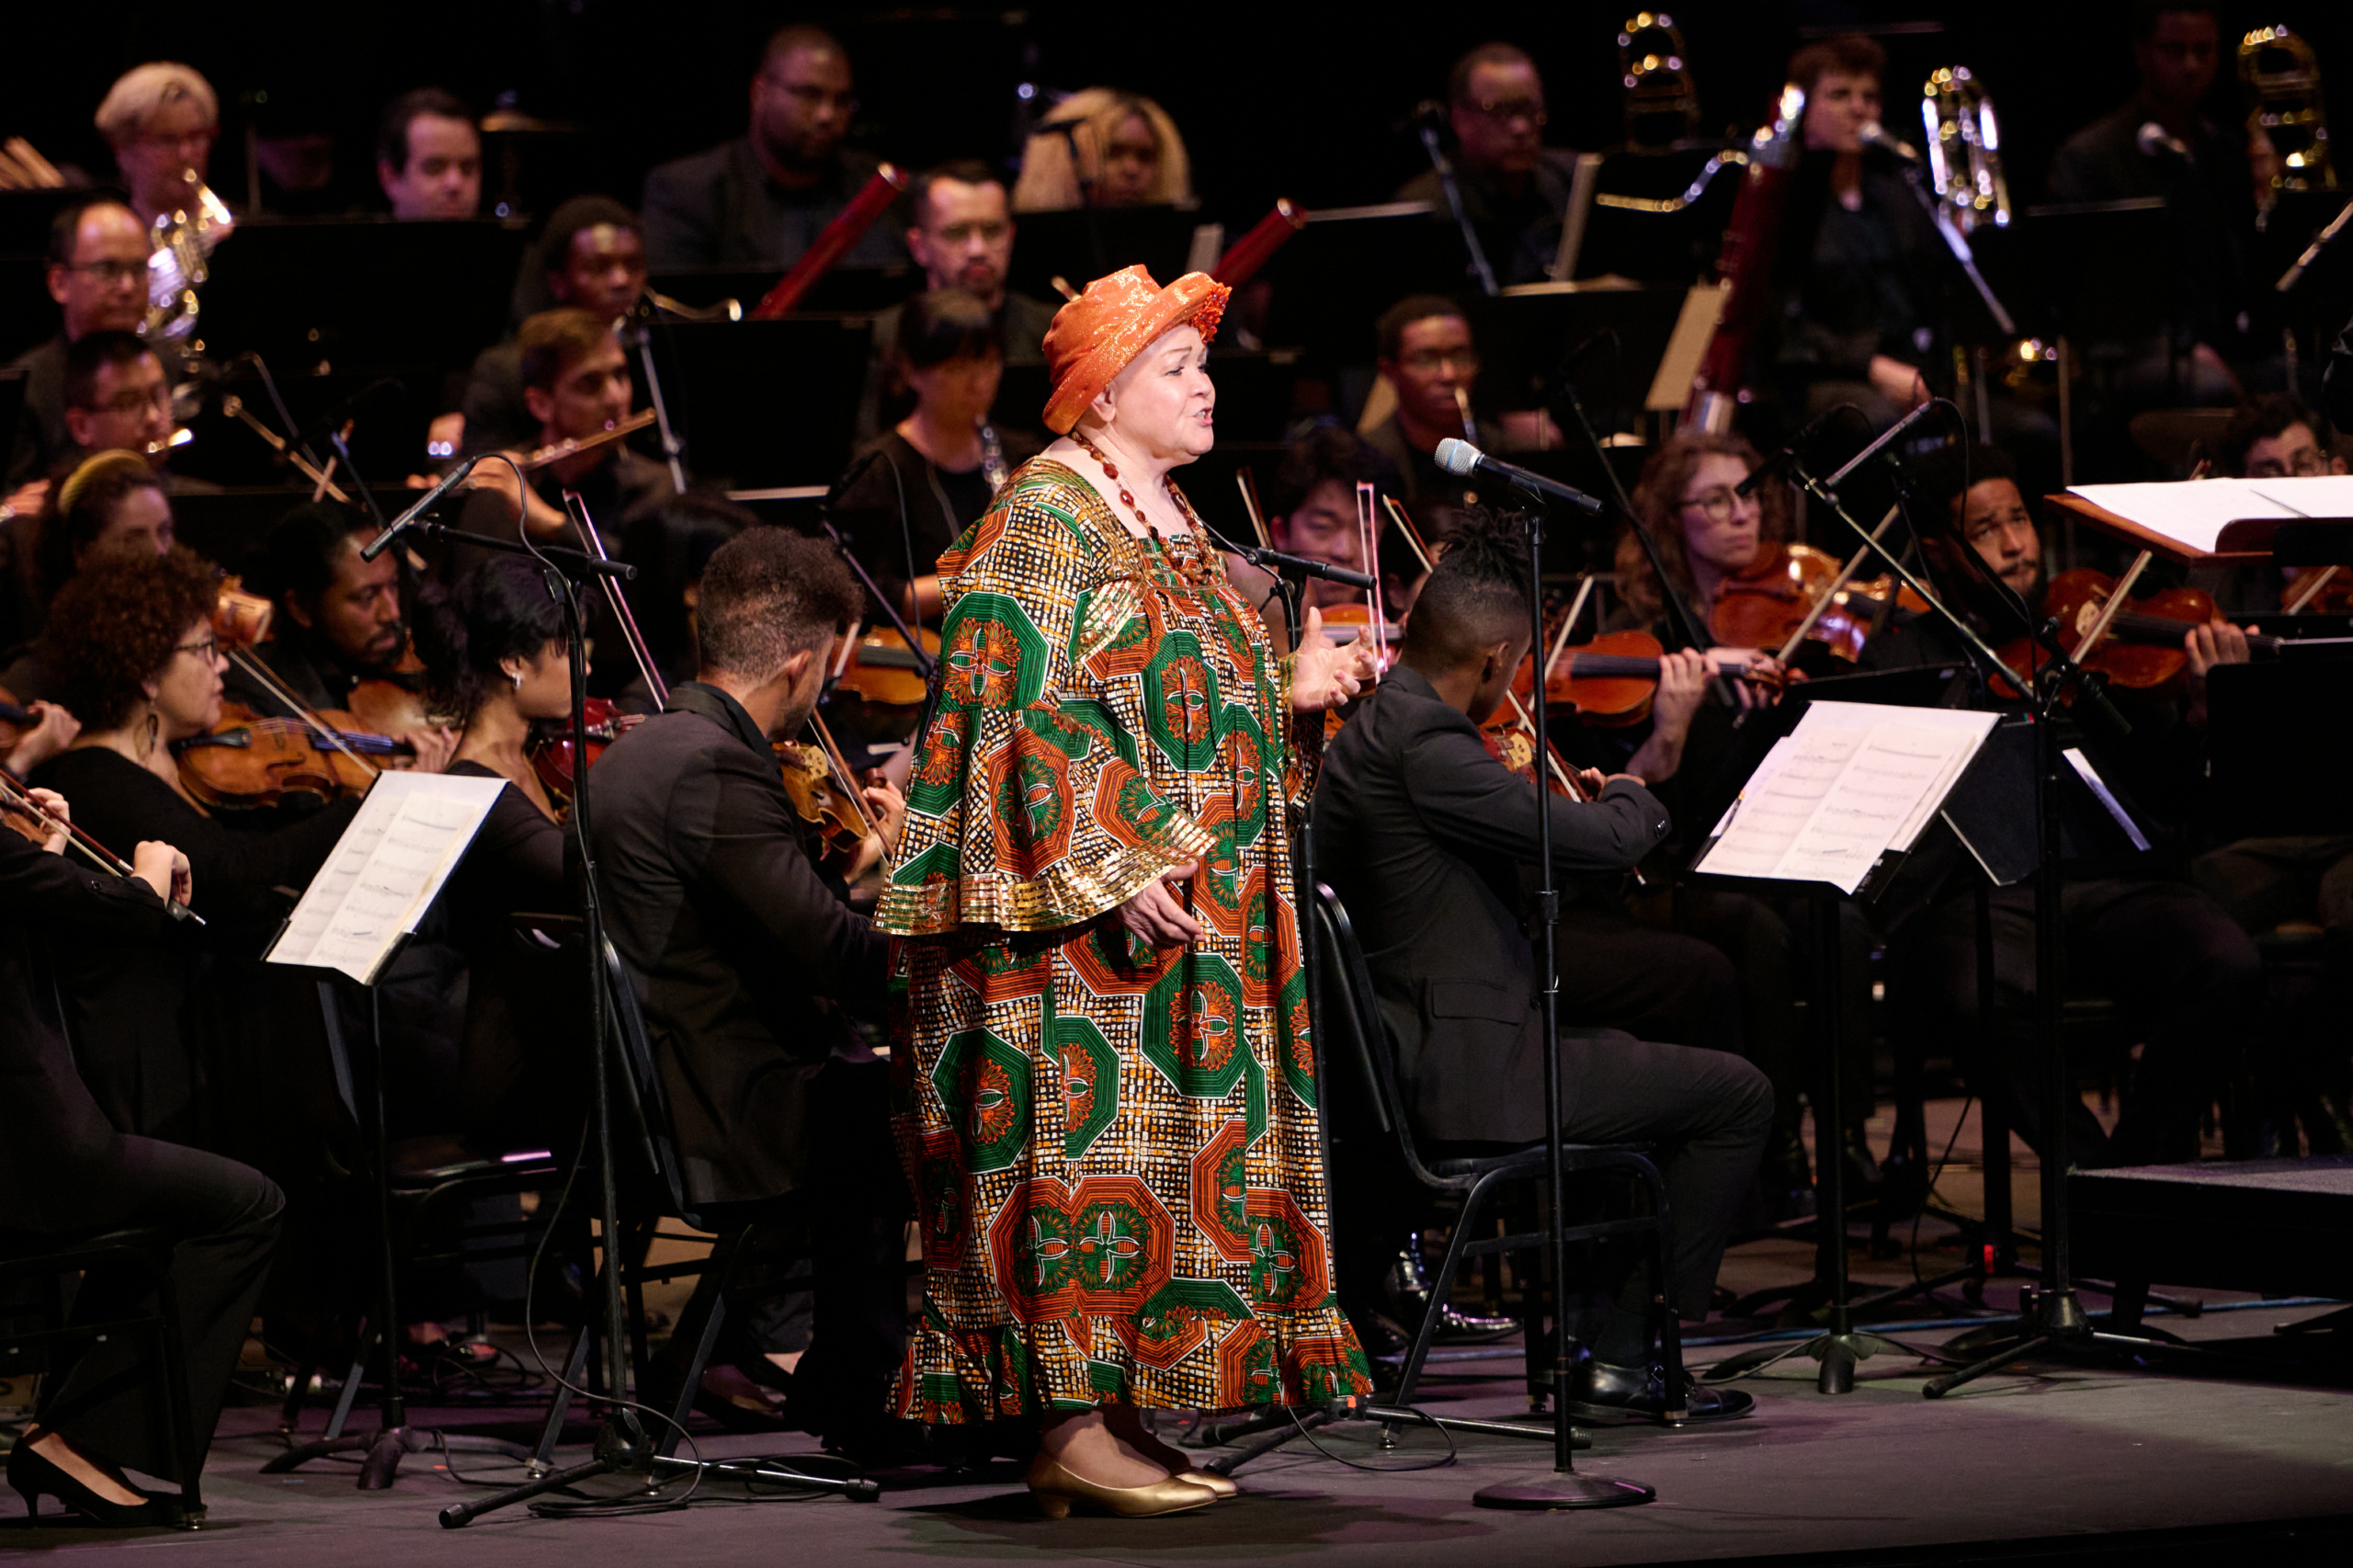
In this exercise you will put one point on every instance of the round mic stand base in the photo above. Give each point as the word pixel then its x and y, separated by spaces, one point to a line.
pixel 1564 1489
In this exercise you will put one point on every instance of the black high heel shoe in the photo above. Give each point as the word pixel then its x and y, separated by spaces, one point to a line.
pixel 33 1474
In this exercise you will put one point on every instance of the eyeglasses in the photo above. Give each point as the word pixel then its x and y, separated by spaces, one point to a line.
pixel 135 401
pixel 1426 361
pixel 208 650
pixel 2306 463
pixel 1504 111
pixel 112 271
pixel 1717 505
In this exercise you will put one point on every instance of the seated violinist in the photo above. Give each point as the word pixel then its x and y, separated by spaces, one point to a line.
pixel 131 641
pixel 2188 977
pixel 577 385
pixel 1311 511
pixel 67 1170
pixel 1425 834
pixel 111 501
pixel 497 659
pixel 750 969
pixel 339 622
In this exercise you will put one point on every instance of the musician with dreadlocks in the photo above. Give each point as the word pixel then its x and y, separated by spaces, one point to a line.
pixel 1424 835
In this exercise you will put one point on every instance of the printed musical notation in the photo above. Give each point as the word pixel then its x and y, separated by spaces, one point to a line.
pixel 1851 783
pixel 385 872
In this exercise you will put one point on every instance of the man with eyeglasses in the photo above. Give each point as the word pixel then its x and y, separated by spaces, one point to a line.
pixel 97 275
pixel 960 233
pixel 117 396
pixel 2188 978
pixel 762 200
pixel 1511 183
pixel 1424 348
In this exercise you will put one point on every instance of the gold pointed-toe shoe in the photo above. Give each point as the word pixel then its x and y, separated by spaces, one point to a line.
pixel 1056 1488
pixel 1210 1479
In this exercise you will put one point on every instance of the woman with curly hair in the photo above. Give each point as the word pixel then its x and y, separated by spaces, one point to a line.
pixel 130 640
pixel 1689 503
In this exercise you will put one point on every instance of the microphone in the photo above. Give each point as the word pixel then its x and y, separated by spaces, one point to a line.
pixel 1874 134
pixel 1772 466
pixel 1285 565
pixel 1462 460
pixel 1885 440
pixel 393 530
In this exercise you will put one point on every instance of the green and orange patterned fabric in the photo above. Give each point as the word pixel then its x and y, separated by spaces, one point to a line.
pixel 1114 1149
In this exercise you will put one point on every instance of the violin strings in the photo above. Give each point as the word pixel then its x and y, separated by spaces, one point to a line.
pixel 260 674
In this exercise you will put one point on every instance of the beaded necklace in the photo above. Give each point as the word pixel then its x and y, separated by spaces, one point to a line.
pixel 1189 572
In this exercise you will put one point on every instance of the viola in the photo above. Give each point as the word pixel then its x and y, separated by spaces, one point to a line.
pixel 819 798
pixel 2143 646
pixel 1764 605
pixel 883 671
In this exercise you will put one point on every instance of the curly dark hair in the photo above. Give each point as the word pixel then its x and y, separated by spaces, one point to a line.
pixel 768 594
pixel 116 626
pixel 500 609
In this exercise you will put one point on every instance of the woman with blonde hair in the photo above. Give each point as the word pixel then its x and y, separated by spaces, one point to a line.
pixel 1127 154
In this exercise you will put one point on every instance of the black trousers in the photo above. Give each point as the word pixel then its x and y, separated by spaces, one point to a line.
pixel 225 1215
pixel 1709 1113
pixel 2187 977
pixel 1654 984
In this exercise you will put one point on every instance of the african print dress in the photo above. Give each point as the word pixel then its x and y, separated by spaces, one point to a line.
pixel 1114 1149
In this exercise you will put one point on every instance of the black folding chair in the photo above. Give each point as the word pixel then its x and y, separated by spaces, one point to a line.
pixel 1469 1183
pixel 32 1256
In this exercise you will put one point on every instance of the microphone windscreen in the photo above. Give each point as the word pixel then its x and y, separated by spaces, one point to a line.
pixel 1457 456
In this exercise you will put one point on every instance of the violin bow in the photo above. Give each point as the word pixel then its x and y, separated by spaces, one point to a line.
pixel 839 768
pixel 1376 614
pixel 259 673
pixel 2310 590
pixel 1552 763
pixel 1250 508
pixel 1568 622
pixel 1845 575
pixel 1405 528
pixel 16 797
pixel 2092 639
pixel 593 543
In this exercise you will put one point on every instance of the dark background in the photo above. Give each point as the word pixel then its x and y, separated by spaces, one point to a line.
pixel 1272 98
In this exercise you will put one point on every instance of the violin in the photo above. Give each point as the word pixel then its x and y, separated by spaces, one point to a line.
pixel 554 755
pixel 1767 604
pixel 2140 647
pixel 817 780
pixel 1611 680
pixel 883 671
pixel 249 761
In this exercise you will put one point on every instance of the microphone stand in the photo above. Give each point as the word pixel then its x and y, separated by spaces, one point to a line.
pixel 1427 124
pixel 1565 1487
pixel 640 337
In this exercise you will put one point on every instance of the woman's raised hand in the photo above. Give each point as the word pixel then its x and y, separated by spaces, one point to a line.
pixel 1325 674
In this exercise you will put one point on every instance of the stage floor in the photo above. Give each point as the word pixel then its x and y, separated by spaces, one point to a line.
pixel 2059 1464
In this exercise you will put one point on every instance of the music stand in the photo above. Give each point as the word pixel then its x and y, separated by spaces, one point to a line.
pixel 355 293
pixel 1083 243
pixel 761 403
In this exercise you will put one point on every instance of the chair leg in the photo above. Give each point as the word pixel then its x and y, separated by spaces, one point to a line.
pixel 188 1444
pixel 1670 1323
pixel 1458 1239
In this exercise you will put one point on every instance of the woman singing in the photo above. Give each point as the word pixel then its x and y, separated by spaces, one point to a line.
pixel 1111 1108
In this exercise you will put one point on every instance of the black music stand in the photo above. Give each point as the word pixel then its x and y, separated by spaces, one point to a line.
pixel 761 403
pixel 1086 243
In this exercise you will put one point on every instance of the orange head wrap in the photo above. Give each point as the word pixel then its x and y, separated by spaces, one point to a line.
pixel 1095 336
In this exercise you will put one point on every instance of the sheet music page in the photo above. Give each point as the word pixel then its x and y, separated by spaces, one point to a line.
pixel 2322 495
pixel 2191 512
pixel 1853 781
pixel 385 871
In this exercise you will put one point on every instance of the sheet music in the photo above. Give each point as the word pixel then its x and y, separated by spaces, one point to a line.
pixel 384 873
pixel 2194 513
pixel 1852 782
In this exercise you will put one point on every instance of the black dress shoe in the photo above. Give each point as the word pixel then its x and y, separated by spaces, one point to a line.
pixel 34 1474
pixel 1614 1395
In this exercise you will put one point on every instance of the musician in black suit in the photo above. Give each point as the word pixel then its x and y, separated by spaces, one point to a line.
pixel 750 968
pixel 65 1171
pixel 1425 836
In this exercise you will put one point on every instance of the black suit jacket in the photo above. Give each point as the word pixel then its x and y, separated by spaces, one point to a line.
pixel 745 961
pixel 53 1137
pixel 1422 833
